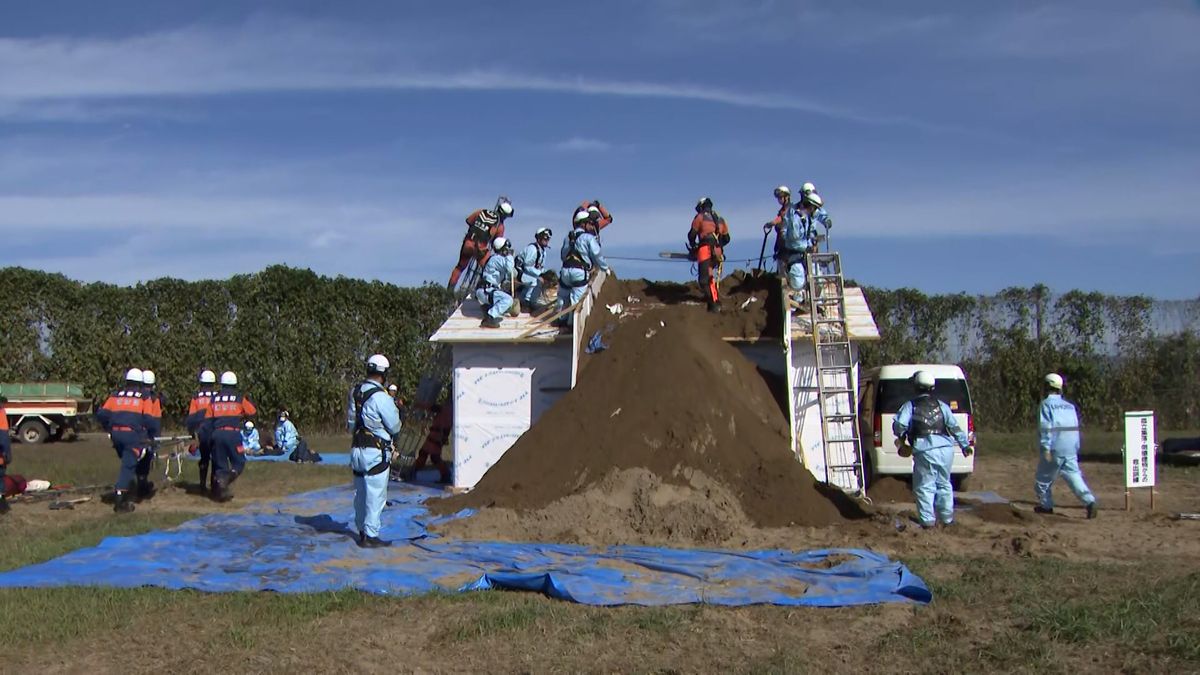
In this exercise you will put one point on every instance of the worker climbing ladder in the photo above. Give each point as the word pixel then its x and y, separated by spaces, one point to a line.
pixel 837 399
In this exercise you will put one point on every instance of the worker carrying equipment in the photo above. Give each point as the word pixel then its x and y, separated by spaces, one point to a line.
pixel 496 283
pixel 707 238
pixel 580 254
pixel 374 421
pixel 224 417
pixel 596 216
pixel 197 411
pixel 132 419
pixel 531 267
pixel 483 226
pixel 929 426
pixel 1059 439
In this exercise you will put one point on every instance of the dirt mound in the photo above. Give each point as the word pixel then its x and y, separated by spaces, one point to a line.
pixel 751 306
pixel 1005 514
pixel 673 400
pixel 889 489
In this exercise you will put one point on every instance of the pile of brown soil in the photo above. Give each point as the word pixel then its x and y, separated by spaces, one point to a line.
pixel 889 489
pixel 750 305
pixel 1005 514
pixel 671 428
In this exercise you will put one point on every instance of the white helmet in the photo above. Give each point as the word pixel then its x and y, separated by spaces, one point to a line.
pixel 148 377
pixel 249 424
pixel 593 211
pixel 208 377
pixel 134 375
pixel 1055 381
pixel 379 363
pixel 501 245
pixel 924 379
pixel 392 388
pixel 581 216
pixel 229 378
pixel 783 190
pixel 543 232
pixel 283 415
pixel 504 207
pixel 814 199
pixel 807 188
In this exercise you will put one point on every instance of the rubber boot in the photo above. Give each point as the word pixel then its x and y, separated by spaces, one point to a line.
pixel 444 470
pixel 122 503
pixel 1092 509
pixel 714 308
pixel 373 542
pixel 4 507
pixel 204 476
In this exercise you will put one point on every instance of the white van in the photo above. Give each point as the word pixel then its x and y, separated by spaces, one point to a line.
pixel 881 393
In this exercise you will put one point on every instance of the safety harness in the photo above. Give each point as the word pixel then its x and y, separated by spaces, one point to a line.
pixel 363 437
pixel 480 229
pixel 927 419
pixel 575 259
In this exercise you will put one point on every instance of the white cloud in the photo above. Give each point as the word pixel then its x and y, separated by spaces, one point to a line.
pixel 581 144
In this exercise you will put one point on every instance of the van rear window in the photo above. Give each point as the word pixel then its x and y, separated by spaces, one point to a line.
pixel 894 393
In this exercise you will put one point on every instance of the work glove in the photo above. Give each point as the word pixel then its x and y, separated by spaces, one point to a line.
pixel 595 203
pixel 767 227
pixel 968 451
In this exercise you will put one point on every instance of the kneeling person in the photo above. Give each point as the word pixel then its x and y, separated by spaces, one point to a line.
pixel 496 283
pixel 374 420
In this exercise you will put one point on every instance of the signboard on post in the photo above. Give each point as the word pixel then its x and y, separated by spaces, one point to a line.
pixel 1140 468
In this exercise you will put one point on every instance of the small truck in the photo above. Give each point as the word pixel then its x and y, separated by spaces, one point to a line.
pixel 44 411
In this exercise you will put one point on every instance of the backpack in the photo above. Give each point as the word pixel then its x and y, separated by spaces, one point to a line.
pixel 927 418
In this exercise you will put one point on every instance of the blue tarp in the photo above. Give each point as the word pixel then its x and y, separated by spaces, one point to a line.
pixel 305 543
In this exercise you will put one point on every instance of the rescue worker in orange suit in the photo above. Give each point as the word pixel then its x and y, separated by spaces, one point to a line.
pixel 145 489
pixel 197 411
pixel 482 227
pixel 128 415
pixel 5 453
pixel 224 417
pixel 598 217
pixel 706 246
pixel 439 434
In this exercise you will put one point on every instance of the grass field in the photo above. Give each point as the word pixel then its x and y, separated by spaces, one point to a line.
pixel 992 612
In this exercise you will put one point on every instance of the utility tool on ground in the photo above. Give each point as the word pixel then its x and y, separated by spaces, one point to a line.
pixel 837 399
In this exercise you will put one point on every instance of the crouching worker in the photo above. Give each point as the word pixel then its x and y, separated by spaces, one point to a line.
pixel 928 425
pixel 128 415
pixel 435 442
pixel 374 421
pixel 496 285
pixel 250 439
pixel 286 436
pixel 225 417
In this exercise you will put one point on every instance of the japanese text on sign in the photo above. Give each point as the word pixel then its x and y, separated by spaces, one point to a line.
pixel 1139 449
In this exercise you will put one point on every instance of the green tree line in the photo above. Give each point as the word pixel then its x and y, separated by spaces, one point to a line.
pixel 297 340
pixel 1117 353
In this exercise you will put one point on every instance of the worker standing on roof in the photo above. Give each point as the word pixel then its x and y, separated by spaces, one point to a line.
pixel 225 415
pixel 531 265
pixel 287 438
pixel 496 283
pixel 580 254
pixel 374 421
pixel 483 226
pixel 598 216
pixel 127 417
pixel 1058 434
pixel 798 239
pixel 707 238
pixel 145 488
pixel 928 425
pixel 783 195
pixel 5 453
pixel 197 411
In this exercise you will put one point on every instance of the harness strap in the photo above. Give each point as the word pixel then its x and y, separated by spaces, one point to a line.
pixel 363 437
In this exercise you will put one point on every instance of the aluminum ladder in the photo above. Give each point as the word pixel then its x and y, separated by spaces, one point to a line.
pixel 837 399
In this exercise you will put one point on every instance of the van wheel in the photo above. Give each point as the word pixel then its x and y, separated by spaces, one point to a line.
pixel 32 432
pixel 961 482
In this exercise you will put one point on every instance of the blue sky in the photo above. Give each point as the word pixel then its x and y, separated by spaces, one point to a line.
pixel 959 146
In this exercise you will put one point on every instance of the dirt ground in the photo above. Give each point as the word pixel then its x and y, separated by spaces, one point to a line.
pixel 1013 591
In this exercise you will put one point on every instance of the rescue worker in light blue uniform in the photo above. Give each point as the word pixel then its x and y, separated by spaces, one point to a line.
pixel 798 238
pixel 250 439
pixel 496 283
pixel 374 421
pixel 531 265
pixel 928 425
pixel 580 255
pixel 287 438
pixel 1058 437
